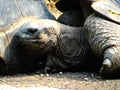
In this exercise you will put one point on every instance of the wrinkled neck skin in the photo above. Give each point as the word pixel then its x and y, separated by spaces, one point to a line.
pixel 71 44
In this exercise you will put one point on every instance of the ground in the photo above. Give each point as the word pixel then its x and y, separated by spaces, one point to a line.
pixel 67 81
pixel 52 8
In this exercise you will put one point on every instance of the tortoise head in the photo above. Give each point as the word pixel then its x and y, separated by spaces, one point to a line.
pixel 38 35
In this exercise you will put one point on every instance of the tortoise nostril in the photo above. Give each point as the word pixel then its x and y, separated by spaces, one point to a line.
pixel 32 30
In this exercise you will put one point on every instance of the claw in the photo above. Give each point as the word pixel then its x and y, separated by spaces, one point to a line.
pixel 106 64
pixel 47 69
pixel 50 70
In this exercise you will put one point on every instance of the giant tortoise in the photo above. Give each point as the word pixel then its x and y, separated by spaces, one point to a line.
pixel 103 35
pixel 66 46
pixel 70 47
pixel 14 14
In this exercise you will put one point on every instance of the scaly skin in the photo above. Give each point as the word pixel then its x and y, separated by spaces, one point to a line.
pixel 66 46
pixel 104 38
pixel 70 50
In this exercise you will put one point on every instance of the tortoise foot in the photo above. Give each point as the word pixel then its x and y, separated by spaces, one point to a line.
pixel 50 70
pixel 107 64
pixel 111 63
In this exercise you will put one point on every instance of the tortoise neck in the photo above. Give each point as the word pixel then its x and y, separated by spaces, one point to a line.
pixel 70 41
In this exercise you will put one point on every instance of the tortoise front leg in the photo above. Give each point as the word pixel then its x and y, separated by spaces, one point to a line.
pixel 111 62
pixel 54 64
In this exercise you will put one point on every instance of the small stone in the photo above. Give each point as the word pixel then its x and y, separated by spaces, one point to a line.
pixel 0 80
pixel 60 73
pixel 41 75
pixel 80 82
pixel 86 79
pixel 7 79
pixel 107 80
pixel 66 82
pixel 92 75
pixel 47 75
pixel 50 84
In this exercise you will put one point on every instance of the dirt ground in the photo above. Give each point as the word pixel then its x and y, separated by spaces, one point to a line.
pixel 52 8
pixel 67 81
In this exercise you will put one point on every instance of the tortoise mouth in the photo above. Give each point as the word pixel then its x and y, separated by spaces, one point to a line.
pixel 37 45
pixel 32 42
pixel 24 39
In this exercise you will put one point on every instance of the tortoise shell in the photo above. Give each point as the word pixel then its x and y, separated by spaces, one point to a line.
pixel 11 10
pixel 109 9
